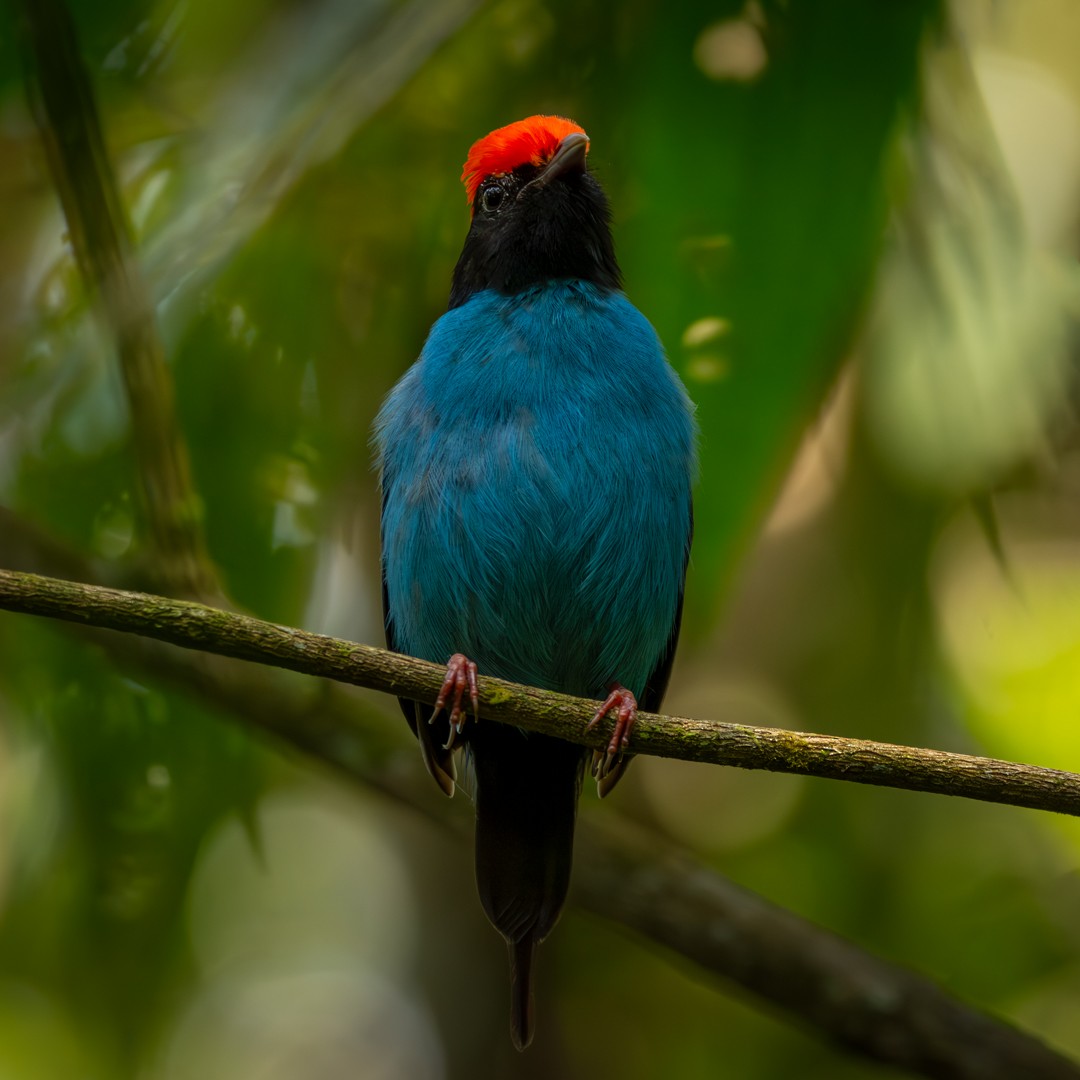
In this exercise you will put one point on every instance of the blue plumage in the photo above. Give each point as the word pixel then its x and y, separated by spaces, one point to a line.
pixel 536 463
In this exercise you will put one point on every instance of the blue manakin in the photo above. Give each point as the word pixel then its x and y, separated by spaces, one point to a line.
pixel 536 467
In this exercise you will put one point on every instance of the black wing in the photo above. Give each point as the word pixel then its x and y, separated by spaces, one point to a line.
pixel 431 737
pixel 657 682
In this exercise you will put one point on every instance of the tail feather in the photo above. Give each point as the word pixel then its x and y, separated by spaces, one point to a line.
pixel 521 996
pixel 526 803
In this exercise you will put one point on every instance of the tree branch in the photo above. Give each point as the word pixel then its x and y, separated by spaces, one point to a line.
pixel 63 103
pixel 870 1007
pixel 195 626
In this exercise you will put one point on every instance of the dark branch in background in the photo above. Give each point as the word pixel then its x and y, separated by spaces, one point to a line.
pixel 195 626
pixel 329 721
pixel 864 1004
pixel 870 1007
pixel 63 103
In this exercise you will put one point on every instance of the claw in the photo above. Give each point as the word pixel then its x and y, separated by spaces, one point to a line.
pixel 460 676
pixel 626 703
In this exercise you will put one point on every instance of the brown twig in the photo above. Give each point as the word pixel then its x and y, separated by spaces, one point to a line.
pixel 63 103
pixel 195 626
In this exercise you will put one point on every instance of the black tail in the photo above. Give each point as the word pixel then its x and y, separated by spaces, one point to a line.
pixel 521 998
pixel 526 802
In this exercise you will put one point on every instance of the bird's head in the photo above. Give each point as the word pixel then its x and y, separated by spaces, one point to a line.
pixel 537 212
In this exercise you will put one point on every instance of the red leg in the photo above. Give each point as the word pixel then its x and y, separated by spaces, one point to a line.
pixel 626 703
pixel 460 676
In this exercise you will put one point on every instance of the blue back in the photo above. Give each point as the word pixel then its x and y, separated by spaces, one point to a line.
pixel 536 466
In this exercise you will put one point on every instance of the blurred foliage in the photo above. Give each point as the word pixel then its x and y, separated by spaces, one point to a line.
pixel 839 219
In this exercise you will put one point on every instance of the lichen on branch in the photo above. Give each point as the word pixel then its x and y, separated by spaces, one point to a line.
pixel 196 626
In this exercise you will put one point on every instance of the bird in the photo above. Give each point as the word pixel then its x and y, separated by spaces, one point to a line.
pixel 536 467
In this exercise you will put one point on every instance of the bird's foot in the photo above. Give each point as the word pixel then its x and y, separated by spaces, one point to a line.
pixel 460 676
pixel 621 699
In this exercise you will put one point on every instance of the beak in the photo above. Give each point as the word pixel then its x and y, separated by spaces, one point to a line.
pixel 570 157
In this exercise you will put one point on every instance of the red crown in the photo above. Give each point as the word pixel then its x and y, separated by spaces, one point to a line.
pixel 527 142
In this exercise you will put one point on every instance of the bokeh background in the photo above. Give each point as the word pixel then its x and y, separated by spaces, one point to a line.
pixel 855 227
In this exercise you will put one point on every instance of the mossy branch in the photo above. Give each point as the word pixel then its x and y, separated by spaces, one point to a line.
pixel 195 626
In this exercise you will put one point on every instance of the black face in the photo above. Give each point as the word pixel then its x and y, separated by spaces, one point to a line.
pixel 527 229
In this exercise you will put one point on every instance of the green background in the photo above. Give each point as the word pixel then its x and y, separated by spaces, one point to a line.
pixel 828 211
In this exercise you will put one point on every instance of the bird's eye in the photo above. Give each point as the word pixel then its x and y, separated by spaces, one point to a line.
pixel 491 198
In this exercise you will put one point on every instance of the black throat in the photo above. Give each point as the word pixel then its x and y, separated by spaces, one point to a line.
pixel 524 234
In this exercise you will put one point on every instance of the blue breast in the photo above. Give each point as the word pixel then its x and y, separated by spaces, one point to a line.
pixel 536 466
